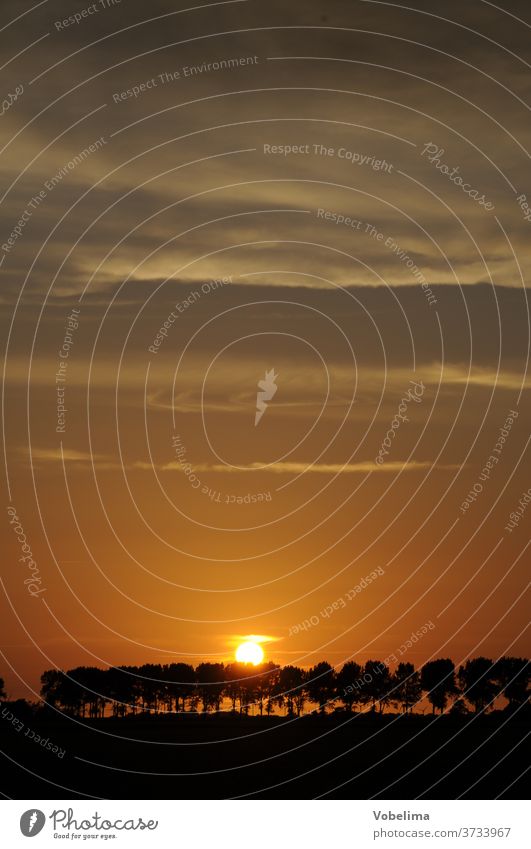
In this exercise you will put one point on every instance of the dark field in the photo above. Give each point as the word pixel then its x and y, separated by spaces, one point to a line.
pixel 211 756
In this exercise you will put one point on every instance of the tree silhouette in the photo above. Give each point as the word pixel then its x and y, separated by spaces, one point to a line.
pixel 87 691
pixel 384 687
pixel 247 686
pixel 136 691
pixel 121 689
pixel 241 685
pixel 291 682
pixel 376 684
pixel 438 680
pixel 406 686
pixel 300 694
pixel 348 684
pixel 321 686
pixel 477 680
pixel 512 678
pixel 266 686
pixel 51 686
pixel 152 690
pixel 210 684
pixel 59 690
pixel 91 684
pixel 182 680
pixel 232 685
pixel 2 691
pixel 459 708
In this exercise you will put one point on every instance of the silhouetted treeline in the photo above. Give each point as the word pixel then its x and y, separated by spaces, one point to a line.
pixel 88 691
pixel 92 692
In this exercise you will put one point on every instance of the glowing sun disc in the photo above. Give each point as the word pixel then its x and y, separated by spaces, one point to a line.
pixel 249 652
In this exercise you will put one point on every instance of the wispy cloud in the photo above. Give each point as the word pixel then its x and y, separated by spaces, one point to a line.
pixel 289 468
pixel 107 462
pixel 71 456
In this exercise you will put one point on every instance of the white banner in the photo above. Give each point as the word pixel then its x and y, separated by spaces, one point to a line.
pixel 266 823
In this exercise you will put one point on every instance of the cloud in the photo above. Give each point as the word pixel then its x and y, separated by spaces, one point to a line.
pixel 52 455
pixel 289 468
pixel 80 459
pixel 402 69
pixel 104 462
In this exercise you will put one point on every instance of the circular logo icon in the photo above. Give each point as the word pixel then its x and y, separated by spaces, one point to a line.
pixel 31 822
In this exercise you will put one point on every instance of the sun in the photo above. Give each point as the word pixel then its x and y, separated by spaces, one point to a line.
pixel 249 652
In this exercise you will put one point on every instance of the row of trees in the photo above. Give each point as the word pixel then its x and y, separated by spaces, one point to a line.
pixel 178 687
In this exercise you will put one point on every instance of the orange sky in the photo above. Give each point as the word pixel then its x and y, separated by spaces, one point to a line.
pixel 164 524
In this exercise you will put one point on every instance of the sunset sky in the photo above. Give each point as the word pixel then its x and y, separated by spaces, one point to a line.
pixel 216 196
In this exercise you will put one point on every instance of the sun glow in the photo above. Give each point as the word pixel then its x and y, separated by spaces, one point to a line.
pixel 250 652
